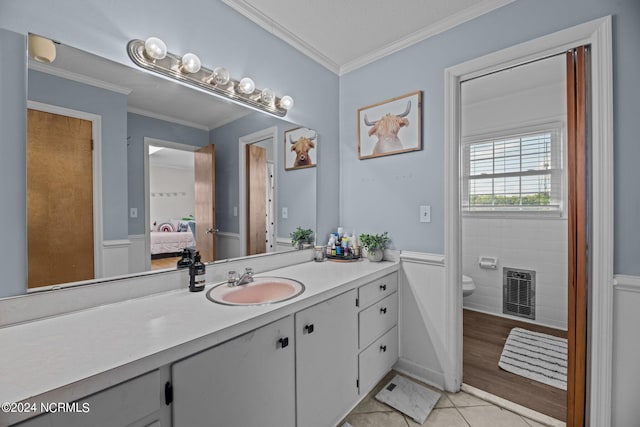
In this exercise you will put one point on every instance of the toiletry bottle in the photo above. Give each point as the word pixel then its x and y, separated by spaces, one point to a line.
pixel 186 260
pixel 333 249
pixel 196 274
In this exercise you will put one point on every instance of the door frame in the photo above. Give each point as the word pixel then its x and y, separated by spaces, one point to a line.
pixel 598 34
pixel 243 141
pixel 147 192
pixel 96 159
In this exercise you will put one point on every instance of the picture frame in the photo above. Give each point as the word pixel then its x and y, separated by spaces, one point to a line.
pixel 300 148
pixel 389 127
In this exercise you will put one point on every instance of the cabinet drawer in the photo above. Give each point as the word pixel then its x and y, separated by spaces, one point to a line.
pixel 378 319
pixel 376 290
pixel 377 359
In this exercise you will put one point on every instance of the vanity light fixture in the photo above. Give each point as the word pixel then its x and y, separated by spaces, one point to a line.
pixel 152 55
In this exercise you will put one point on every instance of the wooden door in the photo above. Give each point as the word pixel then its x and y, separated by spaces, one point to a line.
pixel 59 199
pixel 256 159
pixel 577 187
pixel 205 198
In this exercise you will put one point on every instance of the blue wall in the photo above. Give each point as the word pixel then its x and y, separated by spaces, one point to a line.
pixel 13 182
pixel 139 127
pixel 112 107
pixel 406 181
pixel 296 189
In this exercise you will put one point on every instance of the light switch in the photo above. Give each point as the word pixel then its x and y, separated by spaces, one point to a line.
pixel 235 211
pixel 425 213
pixel 133 212
pixel 285 213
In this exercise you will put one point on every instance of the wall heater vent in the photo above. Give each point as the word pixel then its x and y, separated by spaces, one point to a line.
pixel 519 292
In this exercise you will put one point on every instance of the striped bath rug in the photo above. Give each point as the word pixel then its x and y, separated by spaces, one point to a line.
pixel 537 356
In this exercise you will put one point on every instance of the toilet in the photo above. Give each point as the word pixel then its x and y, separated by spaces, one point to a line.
pixel 467 286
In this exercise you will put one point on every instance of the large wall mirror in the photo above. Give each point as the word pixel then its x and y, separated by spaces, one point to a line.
pixel 125 169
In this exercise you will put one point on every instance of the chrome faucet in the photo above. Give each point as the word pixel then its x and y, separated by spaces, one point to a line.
pixel 234 280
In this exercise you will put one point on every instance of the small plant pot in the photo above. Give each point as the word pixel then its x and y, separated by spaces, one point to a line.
pixel 375 255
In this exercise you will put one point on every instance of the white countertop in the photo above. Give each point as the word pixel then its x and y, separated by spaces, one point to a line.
pixel 67 357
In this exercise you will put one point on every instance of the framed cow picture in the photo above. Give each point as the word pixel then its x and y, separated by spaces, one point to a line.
pixel 300 148
pixel 390 127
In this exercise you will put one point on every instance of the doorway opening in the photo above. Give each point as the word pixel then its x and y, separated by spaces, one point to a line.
pixel 514 233
pixel 257 202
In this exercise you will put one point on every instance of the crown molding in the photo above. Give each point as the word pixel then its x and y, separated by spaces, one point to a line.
pixel 250 12
pixel 69 75
pixel 440 27
pixel 164 118
pixel 266 23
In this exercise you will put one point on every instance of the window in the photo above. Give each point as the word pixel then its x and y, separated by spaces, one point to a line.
pixel 518 172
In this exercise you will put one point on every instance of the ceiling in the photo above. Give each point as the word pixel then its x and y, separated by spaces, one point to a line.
pixel 344 35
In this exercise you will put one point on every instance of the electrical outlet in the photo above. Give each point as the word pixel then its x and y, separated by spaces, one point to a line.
pixel 425 213
pixel 133 212
pixel 285 213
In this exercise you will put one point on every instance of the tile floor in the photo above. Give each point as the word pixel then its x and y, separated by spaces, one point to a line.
pixel 452 410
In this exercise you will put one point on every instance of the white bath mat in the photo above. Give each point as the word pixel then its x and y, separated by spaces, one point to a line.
pixel 410 398
pixel 537 356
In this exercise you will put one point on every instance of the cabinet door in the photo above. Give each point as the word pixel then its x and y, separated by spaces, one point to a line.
pixel 245 382
pixel 326 361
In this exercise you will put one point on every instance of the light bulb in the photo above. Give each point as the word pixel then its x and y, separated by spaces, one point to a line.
pixel 267 96
pixel 220 76
pixel 155 48
pixel 246 86
pixel 286 102
pixel 190 63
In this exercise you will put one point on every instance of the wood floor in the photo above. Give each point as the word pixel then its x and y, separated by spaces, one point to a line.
pixel 162 263
pixel 483 339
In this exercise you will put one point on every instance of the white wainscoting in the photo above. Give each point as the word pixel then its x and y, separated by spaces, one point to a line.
pixel 137 257
pixel 625 410
pixel 423 312
pixel 115 257
pixel 227 245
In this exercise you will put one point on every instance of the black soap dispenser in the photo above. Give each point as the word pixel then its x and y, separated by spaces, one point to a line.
pixel 196 274
pixel 185 261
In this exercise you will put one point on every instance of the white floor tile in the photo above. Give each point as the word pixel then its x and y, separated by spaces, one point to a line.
pixel 491 416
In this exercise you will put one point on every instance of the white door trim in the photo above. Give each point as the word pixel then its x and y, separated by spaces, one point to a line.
pixel 598 34
pixel 96 135
pixel 243 141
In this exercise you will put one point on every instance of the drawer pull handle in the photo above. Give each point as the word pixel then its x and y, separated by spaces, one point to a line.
pixel 308 328
pixel 284 342
pixel 383 288
pixel 383 348
pixel 383 310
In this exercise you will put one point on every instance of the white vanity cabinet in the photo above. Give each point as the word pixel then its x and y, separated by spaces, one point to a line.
pixel 245 382
pixel 378 330
pixel 135 403
pixel 326 361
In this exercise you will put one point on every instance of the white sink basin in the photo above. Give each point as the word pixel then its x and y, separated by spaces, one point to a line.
pixel 263 290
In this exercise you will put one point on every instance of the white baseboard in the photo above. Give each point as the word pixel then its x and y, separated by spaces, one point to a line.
pixel 426 375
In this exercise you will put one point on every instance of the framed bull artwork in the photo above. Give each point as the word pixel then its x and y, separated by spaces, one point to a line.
pixel 300 148
pixel 390 127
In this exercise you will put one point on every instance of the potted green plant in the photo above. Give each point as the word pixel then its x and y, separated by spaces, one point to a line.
pixel 301 236
pixel 375 245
